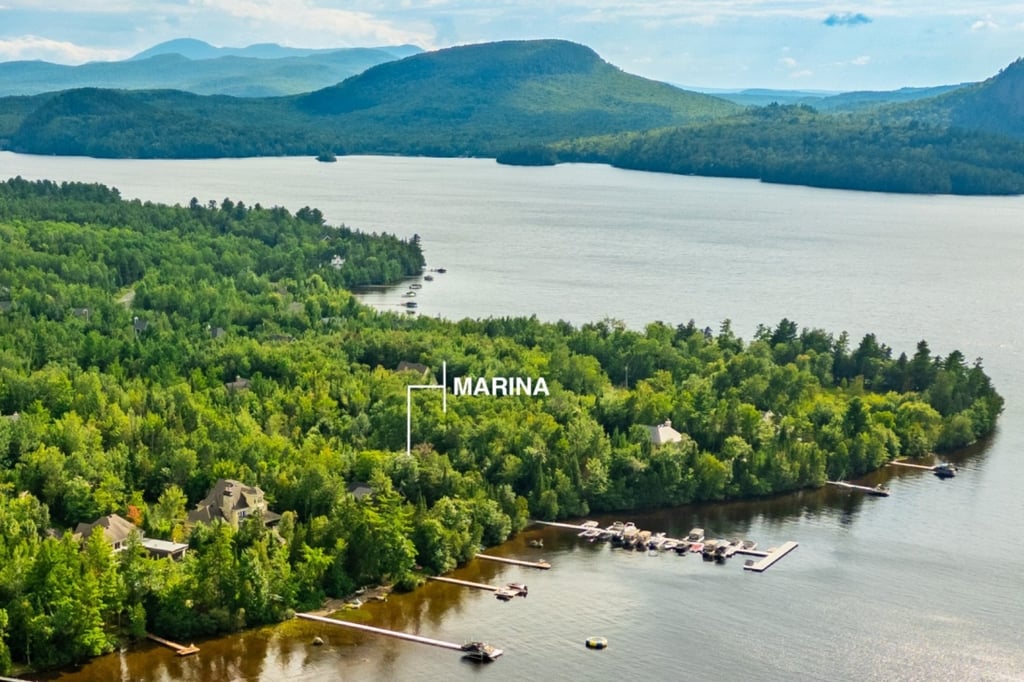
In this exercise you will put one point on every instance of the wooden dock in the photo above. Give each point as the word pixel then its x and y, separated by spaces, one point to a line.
pixel 770 558
pixel 12 679
pixel 912 466
pixel 877 491
pixel 181 649
pixel 381 631
pixel 570 526
pixel 516 562
pixel 464 583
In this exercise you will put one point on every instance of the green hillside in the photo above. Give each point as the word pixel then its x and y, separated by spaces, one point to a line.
pixel 995 105
pixel 472 101
pixel 796 145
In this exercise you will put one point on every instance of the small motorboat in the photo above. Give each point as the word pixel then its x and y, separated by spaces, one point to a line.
pixel 945 470
pixel 479 651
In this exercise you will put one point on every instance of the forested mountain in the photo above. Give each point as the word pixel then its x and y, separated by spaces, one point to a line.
pixel 797 145
pixel 995 105
pixel 474 100
pixel 195 66
pixel 147 351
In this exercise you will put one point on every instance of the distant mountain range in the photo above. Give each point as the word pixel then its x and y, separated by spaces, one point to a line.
pixel 831 101
pixel 546 101
pixel 195 66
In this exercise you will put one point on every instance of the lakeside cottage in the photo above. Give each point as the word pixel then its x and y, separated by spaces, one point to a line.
pixel 232 501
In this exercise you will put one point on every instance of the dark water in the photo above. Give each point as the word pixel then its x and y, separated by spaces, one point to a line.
pixel 923 585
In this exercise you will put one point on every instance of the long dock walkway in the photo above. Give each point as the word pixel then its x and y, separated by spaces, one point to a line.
pixel 381 631
pixel 181 649
pixel 766 563
pixel 879 491
pixel 516 562
pixel 464 583
pixel 912 466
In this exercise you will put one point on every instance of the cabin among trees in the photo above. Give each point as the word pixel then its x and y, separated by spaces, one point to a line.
pixel 664 433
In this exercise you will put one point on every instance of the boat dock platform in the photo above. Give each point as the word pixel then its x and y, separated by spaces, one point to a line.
pixel 381 631
pixel 516 562
pixel 770 557
pixel 181 649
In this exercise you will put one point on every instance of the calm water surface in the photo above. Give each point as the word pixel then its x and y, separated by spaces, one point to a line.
pixel 923 585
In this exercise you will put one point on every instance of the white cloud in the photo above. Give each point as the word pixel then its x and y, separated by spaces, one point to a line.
pixel 354 27
pixel 984 24
pixel 805 73
pixel 788 62
pixel 862 60
pixel 61 52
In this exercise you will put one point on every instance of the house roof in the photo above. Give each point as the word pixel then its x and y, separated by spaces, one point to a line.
pixel 664 433
pixel 228 495
pixel 417 367
pixel 116 529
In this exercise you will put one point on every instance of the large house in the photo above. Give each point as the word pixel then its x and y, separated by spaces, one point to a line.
pixel 232 501
pixel 117 529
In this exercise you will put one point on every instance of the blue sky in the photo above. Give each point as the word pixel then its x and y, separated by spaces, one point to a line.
pixel 791 44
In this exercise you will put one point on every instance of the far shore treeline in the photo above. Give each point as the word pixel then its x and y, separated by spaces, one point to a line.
pixel 147 351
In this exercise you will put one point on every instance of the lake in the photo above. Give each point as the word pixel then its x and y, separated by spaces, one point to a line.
pixel 924 584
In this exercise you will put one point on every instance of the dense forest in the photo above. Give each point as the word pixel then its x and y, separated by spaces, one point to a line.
pixel 127 329
pixel 797 145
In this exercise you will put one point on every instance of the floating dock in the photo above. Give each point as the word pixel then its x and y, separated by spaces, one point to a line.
pixel 771 557
pixel 381 631
pixel 181 649
pixel 516 562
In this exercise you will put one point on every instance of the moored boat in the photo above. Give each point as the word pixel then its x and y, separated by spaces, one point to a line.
pixel 480 651
pixel 945 470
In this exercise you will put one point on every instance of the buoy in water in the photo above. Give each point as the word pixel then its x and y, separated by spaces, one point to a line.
pixel 597 643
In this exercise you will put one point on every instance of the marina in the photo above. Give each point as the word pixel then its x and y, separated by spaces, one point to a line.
pixel 627 536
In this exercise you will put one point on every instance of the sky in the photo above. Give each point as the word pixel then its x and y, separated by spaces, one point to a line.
pixel 728 44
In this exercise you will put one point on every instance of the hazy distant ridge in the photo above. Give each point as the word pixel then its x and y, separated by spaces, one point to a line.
pixel 194 66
